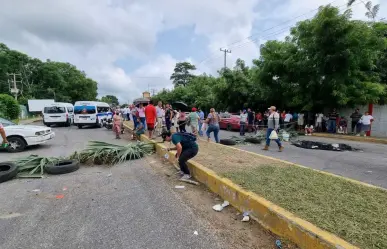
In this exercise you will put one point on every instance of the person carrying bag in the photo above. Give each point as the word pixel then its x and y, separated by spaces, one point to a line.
pixel 272 128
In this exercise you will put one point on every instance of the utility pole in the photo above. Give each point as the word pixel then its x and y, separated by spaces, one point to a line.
pixel 13 84
pixel 225 55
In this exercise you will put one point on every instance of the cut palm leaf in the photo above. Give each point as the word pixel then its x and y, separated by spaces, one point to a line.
pixel 98 152
pixel 34 165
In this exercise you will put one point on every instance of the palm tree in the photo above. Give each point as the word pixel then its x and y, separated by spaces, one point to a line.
pixel 372 11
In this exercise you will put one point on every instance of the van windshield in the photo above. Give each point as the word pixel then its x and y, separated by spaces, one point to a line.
pixel 84 109
pixel 54 109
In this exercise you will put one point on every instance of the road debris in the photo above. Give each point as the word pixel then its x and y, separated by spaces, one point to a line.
pixel 9 215
pixel 179 186
pixel 278 244
pixel 59 196
pixel 36 190
pixel 246 216
pixel 109 175
pixel 219 207
pixel 196 233
pixel 64 188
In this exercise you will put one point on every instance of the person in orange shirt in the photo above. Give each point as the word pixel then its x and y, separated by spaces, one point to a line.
pixel 150 117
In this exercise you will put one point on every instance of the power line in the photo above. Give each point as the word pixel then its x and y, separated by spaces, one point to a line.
pixel 261 33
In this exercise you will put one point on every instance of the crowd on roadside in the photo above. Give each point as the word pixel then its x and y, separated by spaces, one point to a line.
pixel 331 122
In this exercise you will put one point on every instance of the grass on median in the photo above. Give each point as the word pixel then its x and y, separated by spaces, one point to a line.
pixel 352 211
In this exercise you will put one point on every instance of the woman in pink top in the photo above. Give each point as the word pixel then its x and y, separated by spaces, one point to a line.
pixel 141 114
pixel 182 121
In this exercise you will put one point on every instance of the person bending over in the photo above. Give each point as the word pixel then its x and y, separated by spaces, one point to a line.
pixel 186 147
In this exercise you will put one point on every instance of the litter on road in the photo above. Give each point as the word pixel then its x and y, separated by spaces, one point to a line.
pixel 179 187
pixel 196 233
pixel 322 146
pixel 219 207
pixel 59 196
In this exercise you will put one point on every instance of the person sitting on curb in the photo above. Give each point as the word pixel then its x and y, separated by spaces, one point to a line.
pixel 186 147
pixel 273 125
pixel 140 129
pixel 309 130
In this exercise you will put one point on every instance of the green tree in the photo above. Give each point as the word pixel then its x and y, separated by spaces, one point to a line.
pixel 9 107
pixel 182 75
pixel 110 99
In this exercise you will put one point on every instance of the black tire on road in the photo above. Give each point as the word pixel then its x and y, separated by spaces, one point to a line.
pixel 229 127
pixel 79 126
pixel 227 142
pixel 16 144
pixel 8 170
pixel 62 167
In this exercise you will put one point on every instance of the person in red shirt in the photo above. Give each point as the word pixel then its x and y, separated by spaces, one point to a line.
pixel 150 117
pixel 258 120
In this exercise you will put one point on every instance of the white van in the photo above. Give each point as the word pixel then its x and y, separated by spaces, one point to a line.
pixel 88 113
pixel 58 113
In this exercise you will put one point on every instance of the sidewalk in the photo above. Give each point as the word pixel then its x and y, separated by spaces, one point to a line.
pixel 30 121
pixel 353 138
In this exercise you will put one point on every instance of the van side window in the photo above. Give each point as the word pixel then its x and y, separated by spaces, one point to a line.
pixel 102 109
pixel 70 109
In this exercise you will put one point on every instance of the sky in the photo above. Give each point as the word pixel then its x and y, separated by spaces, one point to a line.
pixel 131 46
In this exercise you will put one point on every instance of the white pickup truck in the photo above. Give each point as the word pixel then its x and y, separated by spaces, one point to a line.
pixel 21 136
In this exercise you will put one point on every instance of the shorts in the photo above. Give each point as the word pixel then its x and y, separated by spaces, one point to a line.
pixel 150 127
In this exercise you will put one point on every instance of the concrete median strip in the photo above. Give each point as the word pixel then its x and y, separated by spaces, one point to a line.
pixel 269 215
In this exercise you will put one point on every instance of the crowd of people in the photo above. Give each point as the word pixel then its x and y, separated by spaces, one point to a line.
pixel 307 122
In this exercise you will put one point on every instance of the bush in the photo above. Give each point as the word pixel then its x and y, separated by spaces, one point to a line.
pixel 9 107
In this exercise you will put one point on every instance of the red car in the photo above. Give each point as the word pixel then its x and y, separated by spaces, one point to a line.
pixel 230 123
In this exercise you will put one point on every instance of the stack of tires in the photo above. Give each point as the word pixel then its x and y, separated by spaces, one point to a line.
pixel 9 170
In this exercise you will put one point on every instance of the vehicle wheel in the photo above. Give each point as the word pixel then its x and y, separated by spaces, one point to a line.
pixel 227 142
pixel 80 126
pixel 16 144
pixel 229 127
pixel 8 170
pixel 253 140
pixel 62 167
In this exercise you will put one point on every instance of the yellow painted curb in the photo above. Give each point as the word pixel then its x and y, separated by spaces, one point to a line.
pixel 353 138
pixel 269 215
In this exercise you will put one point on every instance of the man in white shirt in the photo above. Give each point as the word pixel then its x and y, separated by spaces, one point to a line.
pixel 288 118
pixel 366 121
pixel 319 119
pixel 160 114
pixel 242 122
pixel 126 113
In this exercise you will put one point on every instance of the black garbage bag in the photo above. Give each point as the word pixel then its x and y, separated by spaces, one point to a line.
pixel 321 146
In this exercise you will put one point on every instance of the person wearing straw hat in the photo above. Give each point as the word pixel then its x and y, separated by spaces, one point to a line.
pixel 272 128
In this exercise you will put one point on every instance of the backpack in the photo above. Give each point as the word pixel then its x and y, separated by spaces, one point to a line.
pixel 188 136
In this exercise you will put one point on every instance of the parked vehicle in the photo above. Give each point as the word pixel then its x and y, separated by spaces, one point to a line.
pixel 58 114
pixel 230 123
pixel 90 113
pixel 21 136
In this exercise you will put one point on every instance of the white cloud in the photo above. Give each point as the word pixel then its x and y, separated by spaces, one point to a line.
pixel 93 35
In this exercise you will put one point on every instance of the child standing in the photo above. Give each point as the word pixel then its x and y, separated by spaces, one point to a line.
pixel 117 124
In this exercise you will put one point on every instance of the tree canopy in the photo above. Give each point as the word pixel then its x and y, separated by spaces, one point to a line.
pixel 54 80
pixel 182 75
pixel 327 61
pixel 110 99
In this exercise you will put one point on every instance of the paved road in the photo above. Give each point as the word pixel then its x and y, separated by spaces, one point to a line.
pixel 132 208
pixel 369 166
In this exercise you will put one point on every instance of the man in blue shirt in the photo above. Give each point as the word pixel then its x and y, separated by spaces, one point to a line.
pixel 186 147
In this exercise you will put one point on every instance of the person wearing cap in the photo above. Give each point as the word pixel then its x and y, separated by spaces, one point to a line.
pixel 273 125
pixel 186 147
pixel 194 121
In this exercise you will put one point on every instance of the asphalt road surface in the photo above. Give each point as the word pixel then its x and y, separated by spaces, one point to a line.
pixel 368 165
pixel 125 206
